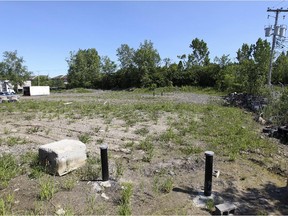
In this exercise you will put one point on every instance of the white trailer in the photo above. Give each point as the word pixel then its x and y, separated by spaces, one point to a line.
pixel 36 90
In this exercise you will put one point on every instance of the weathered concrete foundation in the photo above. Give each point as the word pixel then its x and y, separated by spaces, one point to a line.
pixel 62 157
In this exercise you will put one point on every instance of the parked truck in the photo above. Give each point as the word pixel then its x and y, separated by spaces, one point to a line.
pixel 36 90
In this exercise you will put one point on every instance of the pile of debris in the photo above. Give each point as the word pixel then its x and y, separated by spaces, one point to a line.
pixel 246 101
pixel 280 132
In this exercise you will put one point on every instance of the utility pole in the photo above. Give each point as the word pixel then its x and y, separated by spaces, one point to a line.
pixel 275 33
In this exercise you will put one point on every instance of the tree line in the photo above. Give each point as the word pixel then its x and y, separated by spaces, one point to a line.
pixel 143 67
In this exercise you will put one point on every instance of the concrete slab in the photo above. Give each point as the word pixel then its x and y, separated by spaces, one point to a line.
pixel 225 209
pixel 63 156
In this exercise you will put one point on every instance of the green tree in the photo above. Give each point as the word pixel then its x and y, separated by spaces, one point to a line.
pixel 245 53
pixel 125 56
pixel 280 72
pixel 147 60
pixel 200 53
pixel 108 69
pixel 223 61
pixel 84 69
pixel 261 56
pixel 13 69
pixel 108 66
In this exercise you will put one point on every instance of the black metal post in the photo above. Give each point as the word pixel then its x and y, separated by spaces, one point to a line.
pixel 104 162
pixel 208 173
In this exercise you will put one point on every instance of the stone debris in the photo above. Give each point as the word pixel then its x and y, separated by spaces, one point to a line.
pixel 103 195
pixel 105 184
pixel 216 173
pixel 60 211
pixel 97 187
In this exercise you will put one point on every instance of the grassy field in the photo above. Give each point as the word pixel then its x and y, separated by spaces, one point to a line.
pixel 155 138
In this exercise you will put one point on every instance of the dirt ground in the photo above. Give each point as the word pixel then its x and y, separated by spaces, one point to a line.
pixel 248 185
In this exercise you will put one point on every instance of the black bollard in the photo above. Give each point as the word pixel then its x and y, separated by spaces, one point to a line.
pixel 104 162
pixel 208 173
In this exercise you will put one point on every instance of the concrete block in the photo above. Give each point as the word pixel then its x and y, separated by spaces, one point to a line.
pixel 225 209
pixel 62 156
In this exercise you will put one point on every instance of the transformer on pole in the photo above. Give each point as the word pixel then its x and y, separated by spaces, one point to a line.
pixel 277 32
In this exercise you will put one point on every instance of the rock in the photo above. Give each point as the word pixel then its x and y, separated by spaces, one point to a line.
pixel 97 187
pixel 60 212
pixel 171 173
pixel 127 151
pixel 106 184
pixel 63 156
pixel 261 121
pixel 103 195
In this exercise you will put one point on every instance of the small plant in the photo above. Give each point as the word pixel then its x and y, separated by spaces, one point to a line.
pixel 167 186
pixel 47 189
pixel 85 138
pixel 146 145
pixel 126 193
pixel 6 204
pixel 69 183
pixel 36 170
pixel 119 168
pixel 162 185
pixel 142 131
pixel 11 141
pixel 210 205
pixel 188 150
pixel 29 117
pixel 33 130
pixel 97 129
pixel 91 170
pixel 8 169
pixel 129 144
pixel 91 204
pixel 156 184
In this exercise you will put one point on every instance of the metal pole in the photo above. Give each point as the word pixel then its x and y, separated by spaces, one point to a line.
pixel 208 173
pixel 104 162
pixel 272 49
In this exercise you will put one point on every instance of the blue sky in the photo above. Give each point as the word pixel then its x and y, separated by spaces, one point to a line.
pixel 44 32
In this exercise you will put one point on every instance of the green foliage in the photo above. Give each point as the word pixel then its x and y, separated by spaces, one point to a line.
pixel 37 170
pixel 91 170
pixel 84 69
pixel 280 69
pixel 125 205
pixel 85 138
pixel 8 169
pixel 277 110
pixel 210 205
pixel 167 185
pixel 6 204
pixel 200 53
pixel 12 68
pixel 119 168
pixel 142 131
pixel 47 189
pixel 162 184
pixel 69 183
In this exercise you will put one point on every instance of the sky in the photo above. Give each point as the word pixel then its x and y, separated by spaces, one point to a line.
pixel 45 32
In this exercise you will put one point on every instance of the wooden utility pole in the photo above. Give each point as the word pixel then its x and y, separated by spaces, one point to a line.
pixel 277 11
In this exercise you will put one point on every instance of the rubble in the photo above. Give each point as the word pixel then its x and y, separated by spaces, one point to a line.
pixel 247 101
